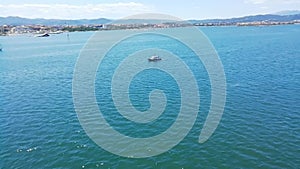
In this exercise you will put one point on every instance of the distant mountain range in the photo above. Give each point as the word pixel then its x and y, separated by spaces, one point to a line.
pixel 255 18
pixel 284 16
pixel 14 20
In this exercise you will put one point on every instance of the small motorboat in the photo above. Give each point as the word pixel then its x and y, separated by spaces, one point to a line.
pixel 154 58
pixel 43 35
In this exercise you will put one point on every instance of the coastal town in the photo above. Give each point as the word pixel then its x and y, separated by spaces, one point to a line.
pixel 6 30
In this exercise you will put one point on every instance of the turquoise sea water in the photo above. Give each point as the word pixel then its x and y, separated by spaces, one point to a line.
pixel 260 126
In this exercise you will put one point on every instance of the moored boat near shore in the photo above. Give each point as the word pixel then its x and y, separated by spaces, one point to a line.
pixel 43 35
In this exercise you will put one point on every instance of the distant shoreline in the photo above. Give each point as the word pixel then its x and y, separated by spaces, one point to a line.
pixel 17 25
pixel 42 29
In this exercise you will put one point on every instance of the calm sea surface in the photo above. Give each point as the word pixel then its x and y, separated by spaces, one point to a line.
pixel 260 127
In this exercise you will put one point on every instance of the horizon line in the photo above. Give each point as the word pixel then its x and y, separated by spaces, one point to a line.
pixel 241 16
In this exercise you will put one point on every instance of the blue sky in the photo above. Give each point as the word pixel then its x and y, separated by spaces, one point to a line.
pixel 113 9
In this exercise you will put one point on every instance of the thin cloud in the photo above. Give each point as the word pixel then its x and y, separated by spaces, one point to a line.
pixel 272 1
pixel 291 2
pixel 255 1
pixel 66 11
